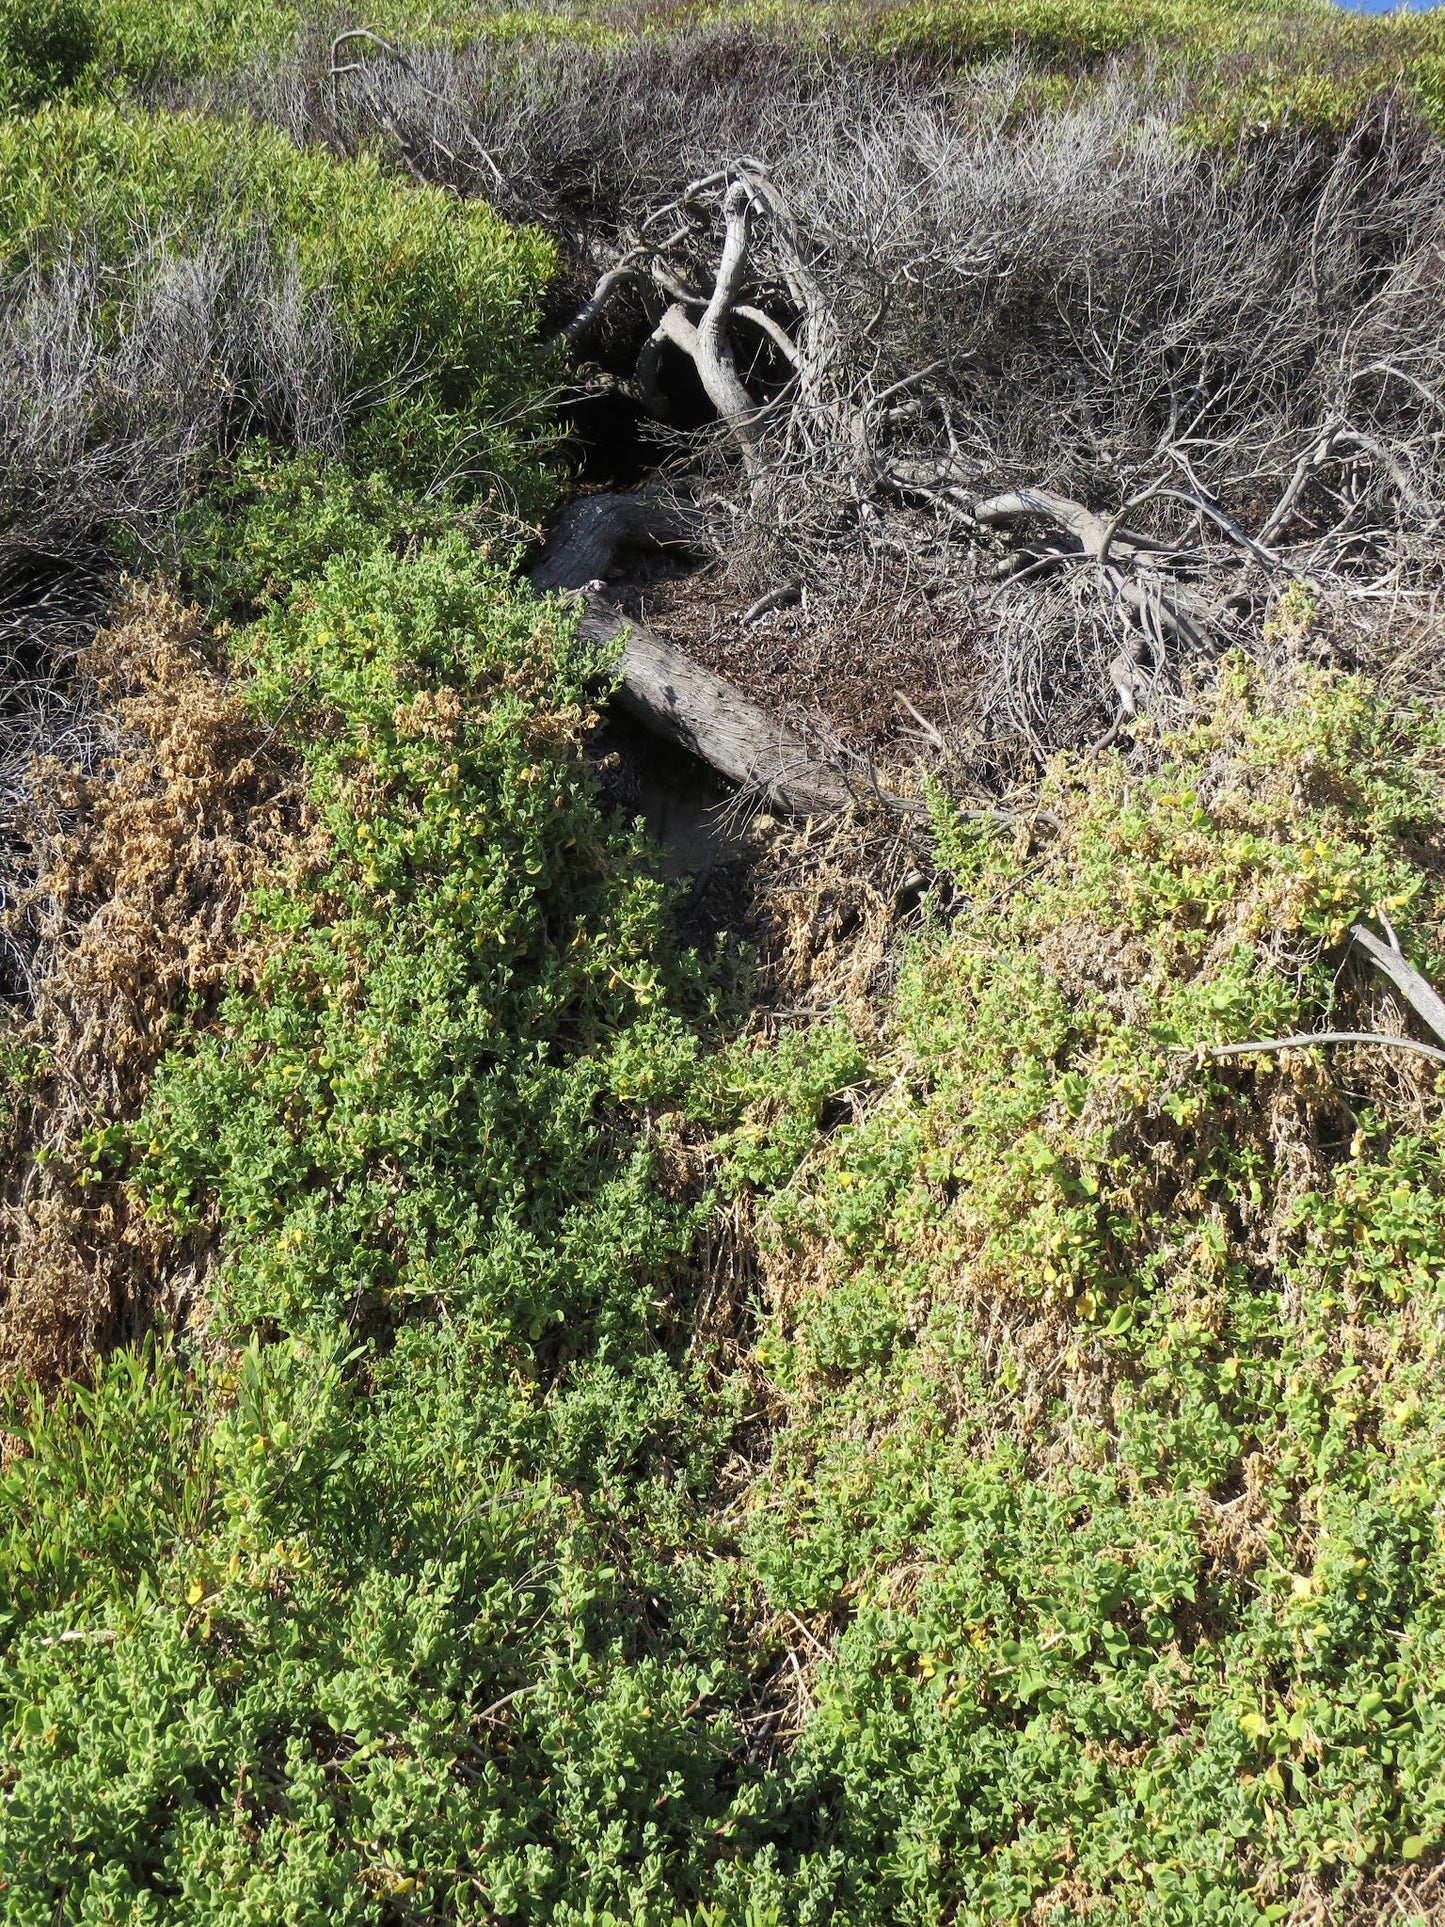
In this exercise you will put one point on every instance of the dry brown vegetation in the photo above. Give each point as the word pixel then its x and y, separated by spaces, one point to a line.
pixel 131 923
pixel 1047 404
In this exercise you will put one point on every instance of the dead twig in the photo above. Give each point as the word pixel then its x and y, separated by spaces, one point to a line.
pixel 1308 1040
pixel 1421 995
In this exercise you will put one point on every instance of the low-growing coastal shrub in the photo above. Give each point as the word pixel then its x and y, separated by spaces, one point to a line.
pixel 1115 1439
pixel 1096 1566
pixel 434 304
pixel 1056 1534
pixel 88 48
pixel 1251 62
pixel 271 523
pixel 405 1566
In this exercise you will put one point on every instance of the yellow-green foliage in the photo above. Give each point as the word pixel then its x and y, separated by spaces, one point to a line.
pixel 1099 1556
pixel 437 300
pixel 1116 1400
pixel 1065 31
pixel 1107 1391
pixel 90 44
pixel 380 1605
pixel 1246 61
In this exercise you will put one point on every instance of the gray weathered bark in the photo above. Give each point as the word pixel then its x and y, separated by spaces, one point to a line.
pixel 677 699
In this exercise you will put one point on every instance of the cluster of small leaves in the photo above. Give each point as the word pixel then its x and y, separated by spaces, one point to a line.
pixel 270 523
pixel 1107 1382
pixel 1117 1412
pixel 406 1604
pixel 295 1640
pixel 450 976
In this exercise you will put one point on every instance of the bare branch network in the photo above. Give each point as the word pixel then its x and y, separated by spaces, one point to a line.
pixel 910 355
pixel 916 349
pixel 1222 487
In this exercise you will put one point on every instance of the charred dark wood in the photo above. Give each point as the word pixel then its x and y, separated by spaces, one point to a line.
pixel 591 531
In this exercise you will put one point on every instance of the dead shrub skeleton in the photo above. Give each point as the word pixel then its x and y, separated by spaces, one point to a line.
pixel 1102 396
pixel 1235 497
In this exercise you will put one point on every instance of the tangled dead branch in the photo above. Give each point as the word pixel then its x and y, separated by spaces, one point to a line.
pixel 1217 483
pixel 1389 958
pixel 1054 383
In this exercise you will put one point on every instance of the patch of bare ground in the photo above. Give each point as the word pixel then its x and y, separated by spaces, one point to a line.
pixel 1401 1896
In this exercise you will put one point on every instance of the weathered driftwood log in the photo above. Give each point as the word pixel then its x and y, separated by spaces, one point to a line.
pixel 590 531
pixel 677 699
pixel 661 686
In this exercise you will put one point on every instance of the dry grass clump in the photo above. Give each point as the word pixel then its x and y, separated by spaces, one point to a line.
pixel 121 382
pixel 132 923
pixel 111 405
pixel 829 901
pixel 1399 1897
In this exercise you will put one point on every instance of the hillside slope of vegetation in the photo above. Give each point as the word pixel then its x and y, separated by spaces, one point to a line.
pixel 897 1387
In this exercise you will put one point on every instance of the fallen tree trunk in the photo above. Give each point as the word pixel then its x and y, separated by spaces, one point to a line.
pixel 660 686
pixel 677 699
pixel 590 531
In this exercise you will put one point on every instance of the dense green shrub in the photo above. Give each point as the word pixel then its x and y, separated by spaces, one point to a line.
pixel 413 1599
pixel 270 523
pixel 1099 1557
pixel 1117 1419
pixel 1061 30
pixel 1246 65
pixel 327 1649
pixel 467 916
pixel 435 302
pixel 112 44
pixel 45 47
pixel 1251 61
pixel 1108 1414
